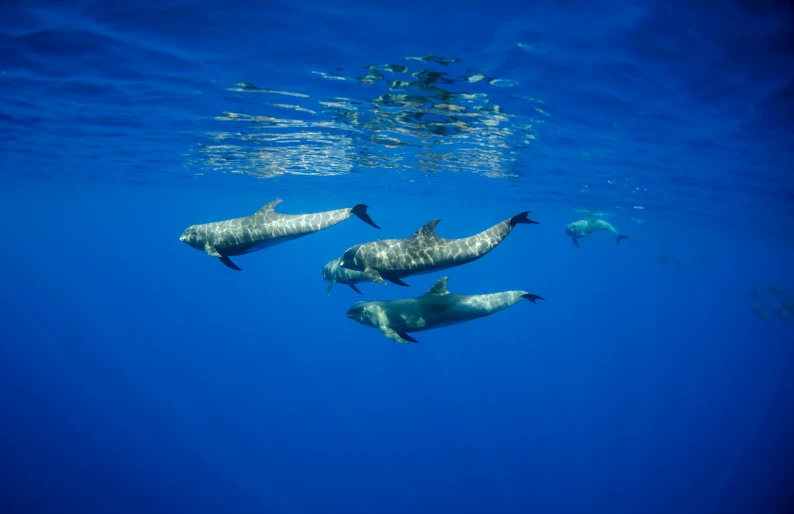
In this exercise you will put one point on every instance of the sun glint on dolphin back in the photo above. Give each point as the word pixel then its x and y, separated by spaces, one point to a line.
pixel 425 252
pixel 263 229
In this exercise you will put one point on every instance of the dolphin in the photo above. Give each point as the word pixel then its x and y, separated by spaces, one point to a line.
pixel 588 227
pixel 333 273
pixel 263 229
pixel 781 312
pixel 436 308
pixel 424 252
pixel 664 259
pixel 760 311
pixel 788 304
pixel 595 214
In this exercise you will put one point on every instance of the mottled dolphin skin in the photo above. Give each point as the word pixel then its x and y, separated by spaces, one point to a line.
pixel 263 229
pixel 588 227
pixel 333 273
pixel 424 252
pixel 436 308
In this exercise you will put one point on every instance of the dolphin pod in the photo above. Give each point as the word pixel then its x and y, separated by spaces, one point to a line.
pixel 384 260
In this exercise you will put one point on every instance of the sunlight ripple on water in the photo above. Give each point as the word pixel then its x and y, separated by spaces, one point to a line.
pixel 415 118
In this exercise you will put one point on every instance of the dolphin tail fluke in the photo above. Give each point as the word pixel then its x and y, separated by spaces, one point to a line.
pixel 621 237
pixel 521 218
pixel 360 210
pixel 229 264
pixel 533 297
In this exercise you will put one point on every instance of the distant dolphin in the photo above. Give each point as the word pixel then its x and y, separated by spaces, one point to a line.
pixel 263 229
pixel 436 308
pixel 782 313
pixel 588 227
pixel 788 304
pixel 424 252
pixel 333 273
pixel 664 259
pixel 595 214
pixel 760 311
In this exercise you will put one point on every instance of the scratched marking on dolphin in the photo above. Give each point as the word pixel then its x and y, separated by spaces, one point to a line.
pixel 436 308
pixel 424 252
pixel 263 229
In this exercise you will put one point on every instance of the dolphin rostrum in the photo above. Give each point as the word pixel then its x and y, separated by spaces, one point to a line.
pixel 263 229
pixel 424 252
pixel 333 273
pixel 436 308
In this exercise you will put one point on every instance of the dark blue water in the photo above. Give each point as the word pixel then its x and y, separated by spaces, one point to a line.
pixel 140 375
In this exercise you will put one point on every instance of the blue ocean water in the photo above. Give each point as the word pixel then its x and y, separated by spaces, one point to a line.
pixel 140 375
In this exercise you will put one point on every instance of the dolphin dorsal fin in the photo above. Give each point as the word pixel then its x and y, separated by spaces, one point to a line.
pixel 439 287
pixel 269 207
pixel 428 229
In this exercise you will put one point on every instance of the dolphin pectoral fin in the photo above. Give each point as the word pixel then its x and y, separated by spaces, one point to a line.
pixel 354 288
pixel 397 281
pixel 328 291
pixel 621 237
pixel 575 242
pixel 374 276
pixel 211 250
pixel 407 337
pixel 229 264
pixel 400 337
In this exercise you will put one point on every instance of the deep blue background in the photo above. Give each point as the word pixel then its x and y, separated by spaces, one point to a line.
pixel 139 375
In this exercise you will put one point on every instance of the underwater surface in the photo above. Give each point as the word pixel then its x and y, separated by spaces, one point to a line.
pixel 140 374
